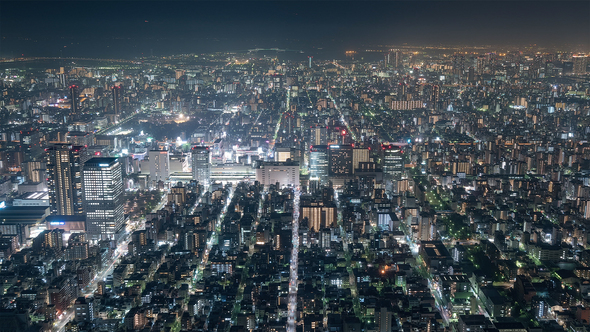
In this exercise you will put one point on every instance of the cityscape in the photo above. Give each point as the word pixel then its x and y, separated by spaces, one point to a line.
pixel 294 184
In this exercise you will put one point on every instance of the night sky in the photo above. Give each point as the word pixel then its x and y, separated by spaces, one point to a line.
pixel 131 29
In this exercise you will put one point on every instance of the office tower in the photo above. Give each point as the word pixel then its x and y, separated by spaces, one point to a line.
pixel 64 179
pixel 393 161
pixel 359 155
pixel 318 163
pixel 74 98
pixel 116 100
pixel 201 165
pixel 580 63
pixel 310 57
pixel 458 64
pixel 435 96
pixel 319 135
pixel 340 160
pixel 398 59
pixel 159 165
pixel 103 196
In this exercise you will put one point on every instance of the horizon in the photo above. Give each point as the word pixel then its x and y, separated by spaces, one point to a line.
pixel 127 30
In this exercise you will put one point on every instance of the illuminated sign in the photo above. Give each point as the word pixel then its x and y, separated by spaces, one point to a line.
pixel 103 165
pixel 2 205
pixel 57 223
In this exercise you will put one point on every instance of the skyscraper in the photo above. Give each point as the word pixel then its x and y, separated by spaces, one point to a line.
pixel 159 165
pixel 74 98
pixel 116 89
pixel 319 135
pixel 580 63
pixel 318 163
pixel 201 165
pixel 393 160
pixel 103 197
pixel 398 59
pixel 359 155
pixel 340 161
pixel 64 179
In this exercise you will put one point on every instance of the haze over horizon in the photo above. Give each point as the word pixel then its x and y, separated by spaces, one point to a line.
pixel 133 29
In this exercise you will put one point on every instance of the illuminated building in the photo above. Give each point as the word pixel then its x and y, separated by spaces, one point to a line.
pixel 116 90
pixel 318 162
pixel 340 161
pixel 64 179
pixel 319 214
pixel 282 154
pixel 80 138
pixel 49 239
pixel 103 194
pixel 201 165
pixel 286 174
pixel 580 63
pixel 159 165
pixel 74 99
pixel 319 135
pixel 77 250
pixel 84 309
pixel 393 160
pixel 359 155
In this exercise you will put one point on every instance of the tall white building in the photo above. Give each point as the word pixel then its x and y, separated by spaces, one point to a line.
pixel 103 198
pixel 159 165
pixel 201 165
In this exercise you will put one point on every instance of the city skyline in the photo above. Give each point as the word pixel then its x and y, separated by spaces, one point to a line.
pixel 291 166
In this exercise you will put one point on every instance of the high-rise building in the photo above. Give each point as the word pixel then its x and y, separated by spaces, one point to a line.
pixel 384 319
pixel 435 97
pixel 398 59
pixel 77 250
pixel 580 63
pixel 318 163
pixel 49 239
pixel 359 155
pixel 64 179
pixel 74 99
pixel 159 165
pixel 103 196
pixel 319 214
pixel 340 161
pixel 116 90
pixel 201 165
pixel 319 135
pixel 393 160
